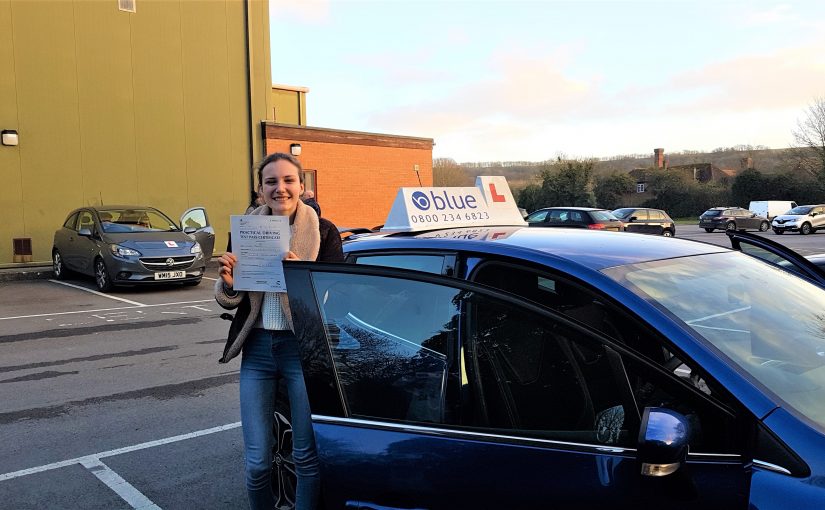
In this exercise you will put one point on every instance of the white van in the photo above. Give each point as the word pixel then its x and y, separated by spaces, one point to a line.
pixel 771 208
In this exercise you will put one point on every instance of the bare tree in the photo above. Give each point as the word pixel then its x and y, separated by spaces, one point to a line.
pixel 446 172
pixel 810 136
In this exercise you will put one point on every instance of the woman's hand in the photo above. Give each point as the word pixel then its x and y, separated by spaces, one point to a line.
pixel 291 256
pixel 227 261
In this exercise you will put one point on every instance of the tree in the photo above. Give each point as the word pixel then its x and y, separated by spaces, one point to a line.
pixel 448 173
pixel 530 198
pixel 749 185
pixel 610 190
pixel 809 135
pixel 568 183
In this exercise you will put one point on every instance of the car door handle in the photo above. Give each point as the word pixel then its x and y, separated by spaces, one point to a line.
pixel 366 505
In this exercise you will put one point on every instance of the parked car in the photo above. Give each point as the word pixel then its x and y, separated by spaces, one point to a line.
pixel 805 219
pixel 133 245
pixel 771 208
pixel 510 367
pixel 575 217
pixel 732 218
pixel 643 220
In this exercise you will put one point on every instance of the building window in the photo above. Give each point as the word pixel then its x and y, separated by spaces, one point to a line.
pixel 640 187
pixel 310 182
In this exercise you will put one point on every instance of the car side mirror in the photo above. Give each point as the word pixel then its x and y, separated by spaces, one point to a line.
pixel 189 230
pixel 84 232
pixel 753 215
pixel 813 214
pixel 632 218
pixel 663 441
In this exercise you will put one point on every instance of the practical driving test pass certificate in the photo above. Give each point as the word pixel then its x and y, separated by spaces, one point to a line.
pixel 260 243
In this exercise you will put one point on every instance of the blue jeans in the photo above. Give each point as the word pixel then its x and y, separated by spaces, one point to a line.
pixel 268 358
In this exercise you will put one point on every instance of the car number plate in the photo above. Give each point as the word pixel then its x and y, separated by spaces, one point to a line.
pixel 170 275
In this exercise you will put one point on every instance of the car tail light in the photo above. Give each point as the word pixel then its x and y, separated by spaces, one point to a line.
pixel 596 226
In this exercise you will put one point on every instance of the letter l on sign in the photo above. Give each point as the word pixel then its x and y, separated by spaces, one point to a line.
pixel 496 196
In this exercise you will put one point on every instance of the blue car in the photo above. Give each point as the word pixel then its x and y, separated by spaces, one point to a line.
pixel 514 367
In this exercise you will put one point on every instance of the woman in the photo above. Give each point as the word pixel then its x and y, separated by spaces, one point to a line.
pixel 262 330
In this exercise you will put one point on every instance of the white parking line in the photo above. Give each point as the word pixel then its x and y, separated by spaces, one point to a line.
pixel 207 278
pixel 121 487
pixel 103 309
pixel 97 293
pixel 119 451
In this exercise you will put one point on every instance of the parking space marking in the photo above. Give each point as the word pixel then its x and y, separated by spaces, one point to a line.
pixel 207 278
pixel 103 309
pixel 121 487
pixel 97 293
pixel 119 451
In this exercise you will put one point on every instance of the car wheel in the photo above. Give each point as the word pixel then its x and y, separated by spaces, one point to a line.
pixel 667 233
pixel 778 231
pixel 102 278
pixel 708 230
pixel 284 478
pixel 764 226
pixel 60 271
pixel 730 226
pixel 805 229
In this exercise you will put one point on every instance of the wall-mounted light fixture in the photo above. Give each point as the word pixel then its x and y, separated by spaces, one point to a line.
pixel 9 137
pixel 295 149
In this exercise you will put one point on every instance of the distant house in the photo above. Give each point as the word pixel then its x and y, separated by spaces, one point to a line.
pixel 699 172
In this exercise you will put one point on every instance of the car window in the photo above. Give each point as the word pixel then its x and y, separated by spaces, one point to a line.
pixel 623 213
pixel 641 215
pixel 765 320
pixel 602 215
pixel 577 216
pixel 712 212
pixel 769 256
pixel 537 216
pixel 799 210
pixel 71 221
pixel 427 263
pixel 195 218
pixel 558 215
pixel 533 374
pixel 389 340
pixel 136 220
pixel 656 215
pixel 85 220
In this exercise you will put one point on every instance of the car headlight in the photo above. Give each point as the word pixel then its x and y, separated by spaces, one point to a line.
pixel 122 251
pixel 196 248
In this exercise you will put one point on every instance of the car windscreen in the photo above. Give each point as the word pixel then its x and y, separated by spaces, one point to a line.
pixel 603 216
pixel 764 319
pixel 135 220
pixel 622 213
pixel 800 210
pixel 712 212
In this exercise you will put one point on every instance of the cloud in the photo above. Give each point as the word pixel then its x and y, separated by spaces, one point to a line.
pixel 781 13
pixel 312 12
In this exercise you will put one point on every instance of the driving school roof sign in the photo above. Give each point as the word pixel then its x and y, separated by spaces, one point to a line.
pixel 490 202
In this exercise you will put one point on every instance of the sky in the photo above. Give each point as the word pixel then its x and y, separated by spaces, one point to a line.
pixel 494 80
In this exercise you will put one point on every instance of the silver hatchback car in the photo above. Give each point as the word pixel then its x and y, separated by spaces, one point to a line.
pixel 805 219
pixel 133 245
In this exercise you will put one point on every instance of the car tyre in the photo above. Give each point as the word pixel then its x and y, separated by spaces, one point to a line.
pixel 730 226
pixel 58 266
pixel 778 231
pixel 805 229
pixel 764 226
pixel 708 230
pixel 667 233
pixel 284 477
pixel 102 277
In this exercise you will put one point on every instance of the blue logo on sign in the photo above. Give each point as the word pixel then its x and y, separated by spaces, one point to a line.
pixel 420 200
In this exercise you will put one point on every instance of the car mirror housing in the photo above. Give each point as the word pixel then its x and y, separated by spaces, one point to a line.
pixel 189 230
pixel 632 218
pixel 663 441
pixel 84 232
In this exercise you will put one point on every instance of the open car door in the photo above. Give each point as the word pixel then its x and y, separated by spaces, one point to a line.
pixel 777 254
pixel 195 222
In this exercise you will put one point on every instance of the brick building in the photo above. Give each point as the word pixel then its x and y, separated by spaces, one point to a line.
pixel 354 175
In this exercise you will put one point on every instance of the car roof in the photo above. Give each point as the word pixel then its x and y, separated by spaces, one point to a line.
pixel 572 208
pixel 593 249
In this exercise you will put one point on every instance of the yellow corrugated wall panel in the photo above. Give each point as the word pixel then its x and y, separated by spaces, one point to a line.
pixel 106 103
pixel 160 137
pixel 11 197
pixel 47 101
pixel 286 104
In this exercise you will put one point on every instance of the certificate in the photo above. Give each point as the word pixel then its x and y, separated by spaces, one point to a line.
pixel 260 243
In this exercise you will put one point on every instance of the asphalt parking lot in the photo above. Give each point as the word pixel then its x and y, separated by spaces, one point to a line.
pixel 117 400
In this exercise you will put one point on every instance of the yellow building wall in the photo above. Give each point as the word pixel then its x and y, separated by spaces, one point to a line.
pixel 289 107
pixel 157 107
